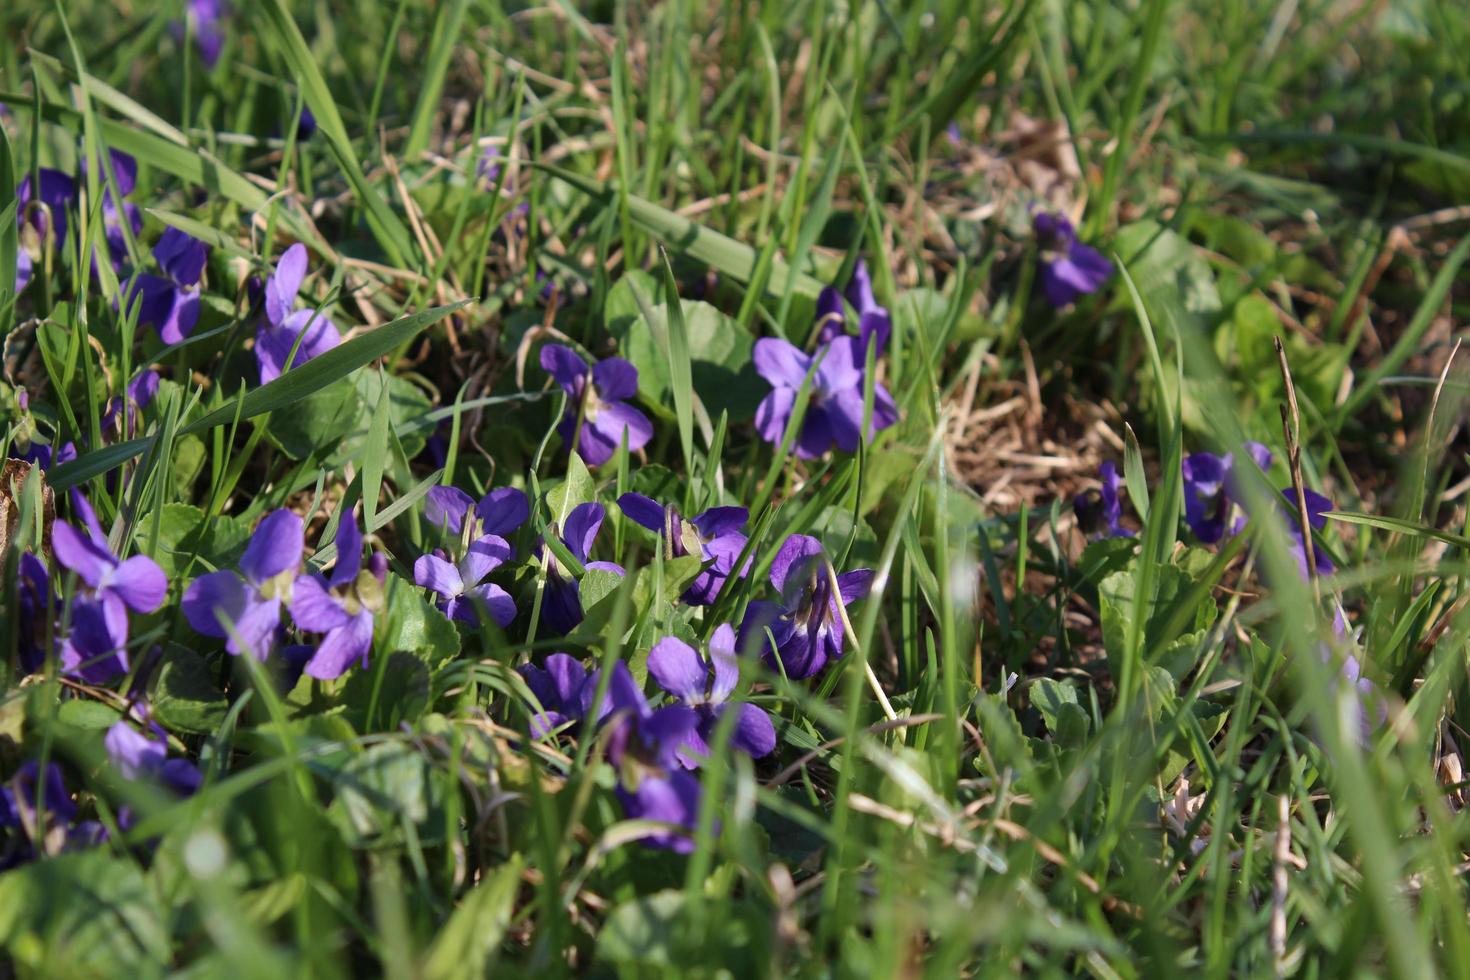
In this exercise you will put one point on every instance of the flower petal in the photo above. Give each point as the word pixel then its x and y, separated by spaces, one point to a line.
pixel 139 582
pixel 501 606
pixel 644 511
pixel 679 669
pixel 315 609
pixel 275 547
pixel 433 572
pixel 855 585
pixel 796 552
pixel 773 414
pixel 80 554
pixel 349 551
pixel 722 656
pixel 581 527
pixel 754 732
pixel 503 510
pixel 615 379
pixel 223 590
pixel 341 648
pixel 484 555
pixel 780 362
pixel 615 421
pixel 566 366
pixel 446 507
pixel 281 288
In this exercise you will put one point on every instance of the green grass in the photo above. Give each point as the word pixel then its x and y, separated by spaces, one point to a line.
pixel 984 783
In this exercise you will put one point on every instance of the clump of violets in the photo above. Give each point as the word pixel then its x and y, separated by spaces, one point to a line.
pixel 800 633
pixel 1210 492
pixel 28 444
pixel 37 805
pixel 834 411
pixel 244 608
pixel 341 605
pixel 482 528
pixel 95 648
pixel 643 747
pixel 561 605
pixel 170 303
pixel 558 686
pixel 598 417
pixel 1100 511
pixel 122 412
pixel 1069 269
pixel 284 328
pixel 874 323
pixel 715 537
pixel 705 685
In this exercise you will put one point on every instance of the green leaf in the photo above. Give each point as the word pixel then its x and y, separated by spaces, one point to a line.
pixel 87 714
pixel 468 944
pixel 383 788
pixel 184 695
pixel 375 454
pixel 337 363
pixel 95 463
pixel 415 626
pixel 720 350
pixel 86 914
pixel 577 488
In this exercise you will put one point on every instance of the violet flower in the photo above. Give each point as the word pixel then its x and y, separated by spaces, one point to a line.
pixel 834 413
pixel 99 618
pixel 144 757
pixel 170 302
pixel 1210 491
pixel 805 623
pixel 561 605
pixel 252 603
pixel 140 393
pixel 598 416
pixel 283 324
pixel 23 266
pixel 705 684
pixel 642 747
pixel 500 512
pixel 341 605
pixel 461 587
pixel 36 608
pixel 1068 268
pixel 558 688
pixel 713 537
pixel 874 323
pixel 1317 508
pixel 1100 512
pixel 207 20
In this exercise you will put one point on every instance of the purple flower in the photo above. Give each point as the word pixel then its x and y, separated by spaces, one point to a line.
pixel 36 798
pixel 874 323
pixel 598 415
pixel 170 302
pixel 36 608
pixel 144 757
pixel 805 623
pixel 47 209
pixel 306 125
pixel 207 21
pixel 1099 512
pixel 99 618
pixel 500 512
pixel 705 684
pixel 714 537
pixel 834 413
pixel 309 332
pixel 340 605
pixel 558 688
pixel 1068 268
pixel 1317 508
pixel 1210 490
pixel 561 606
pixel 643 746
pixel 461 586
pixel 140 394
pixel 23 266
pixel 250 604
